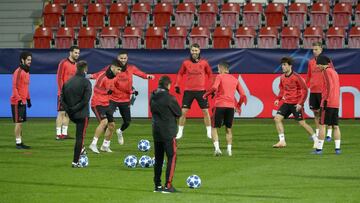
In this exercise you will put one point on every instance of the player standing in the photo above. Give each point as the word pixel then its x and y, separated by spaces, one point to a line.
pixel 21 96
pixel 100 105
pixel 66 70
pixel 196 70
pixel 329 113
pixel 120 98
pixel 224 89
pixel 293 91
pixel 315 80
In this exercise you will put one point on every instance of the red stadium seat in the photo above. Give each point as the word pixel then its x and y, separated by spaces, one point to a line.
pixel 95 15
pixel 200 35
pixel 87 37
pixel 207 14
pixel 117 14
pixel 222 38
pixel 176 38
pixel 185 15
pixel 319 15
pixel 357 15
pixel 109 37
pixel 244 37
pixel 230 15
pixel 290 38
pixel 61 2
pixel 311 35
pixel 64 37
pixel 274 15
pixel 335 38
pixel 131 38
pixel 252 15
pixel 52 13
pixel 73 15
pixel 354 38
pixel 140 15
pixel 154 38
pixel 42 38
pixel 162 14
pixel 297 15
pixel 342 15
pixel 268 37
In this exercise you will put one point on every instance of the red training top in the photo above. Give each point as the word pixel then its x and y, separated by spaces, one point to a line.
pixel 225 86
pixel 314 77
pixel 66 70
pixel 196 74
pixel 293 89
pixel 20 86
pixel 101 88
pixel 331 92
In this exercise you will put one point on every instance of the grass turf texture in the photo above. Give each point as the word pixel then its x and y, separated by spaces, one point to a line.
pixel 255 173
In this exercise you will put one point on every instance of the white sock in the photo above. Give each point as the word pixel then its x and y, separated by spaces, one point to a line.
pixel 317 131
pixel 282 137
pixel 64 130
pixel 314 137
pixel 337 144
pixel 106 143
pixel 329 132
pixel 181 128
pixel 18 140
pixel 58 130
pixel 216 145
pixel 94 141
pixel 320 144
pixel 208 129
pixel 229 147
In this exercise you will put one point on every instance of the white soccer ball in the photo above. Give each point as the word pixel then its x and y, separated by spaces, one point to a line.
pixel 144 145
pixel 84 160
pixel 193 181
pixel 145 161
pixel 130 161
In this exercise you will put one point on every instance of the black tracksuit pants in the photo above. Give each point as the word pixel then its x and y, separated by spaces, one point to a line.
pixel 162 147
pixel 124 109
pixel 81 125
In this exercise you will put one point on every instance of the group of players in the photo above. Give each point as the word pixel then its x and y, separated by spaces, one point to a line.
pixel 113 90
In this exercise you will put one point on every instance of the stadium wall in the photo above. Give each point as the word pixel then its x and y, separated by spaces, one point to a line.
pixel 259 69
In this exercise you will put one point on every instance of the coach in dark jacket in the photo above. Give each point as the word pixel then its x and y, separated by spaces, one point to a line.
pixel 165 110
pixel 75 97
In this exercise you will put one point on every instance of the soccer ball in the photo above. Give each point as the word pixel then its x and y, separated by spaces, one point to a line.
pixel 130 161
pixel 84 160
pixel 145 161
pixel 193 181
pixel 144 145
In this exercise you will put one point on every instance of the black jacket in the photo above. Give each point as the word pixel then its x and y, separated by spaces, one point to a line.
pixel 165 110
pixel 75 96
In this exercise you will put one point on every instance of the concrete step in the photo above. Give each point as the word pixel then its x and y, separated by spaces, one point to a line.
pixel 14 45
pixel 16 37
pixel 11 29
pixel 21 6
pixel 22 14
pixel 19 21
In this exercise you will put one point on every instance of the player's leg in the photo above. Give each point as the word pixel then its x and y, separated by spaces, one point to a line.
pixel 100 129
pixel 329 133
pixel 321 137
pixel 126 117
pixel 337 138
pixel 81 125
pixel 218 118
pixel 65 125
pixel 187 100
pixel 299 116
pixel 204 105
pixel 314 104
pixel 228 120
pixel 58 124
pixel 170 150
pixel 282 113
pixel 109 131
pixel 19 116
pixel 159 160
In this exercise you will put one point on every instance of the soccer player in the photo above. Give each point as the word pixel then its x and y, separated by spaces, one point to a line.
pixel 100 105
pixel 195 70
pixel 120 98
pixel 165 110
pixel 315 80
pixel 329 112
pixel 293 92
pixel 20 96
pixel 66 70
pixel 224 89
pixel 75 97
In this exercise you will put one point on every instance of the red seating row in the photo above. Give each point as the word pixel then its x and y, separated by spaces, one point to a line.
pixel 176 37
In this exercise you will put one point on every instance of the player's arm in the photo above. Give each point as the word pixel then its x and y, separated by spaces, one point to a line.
pixel 60 75
pixel 141 74
pixel 174 107
pixel 208 71
pixel 280 95
pixel 63 102
pixel 304 90
pixel 16 85
pixel 213 88
pixel 179 77
pixel 243 98
pixel 101 88
pixel 308 75
pixel 326 89
pixel 85 99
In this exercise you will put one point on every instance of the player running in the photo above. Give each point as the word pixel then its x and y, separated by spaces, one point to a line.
pixel 196 70
pixel 293 92
pixel 224 89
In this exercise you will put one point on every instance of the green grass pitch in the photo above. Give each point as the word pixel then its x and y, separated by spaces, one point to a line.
pixel 255 173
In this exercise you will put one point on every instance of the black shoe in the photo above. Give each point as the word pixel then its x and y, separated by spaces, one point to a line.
pixel 22 146
pixel 158 188
pixel 169 190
